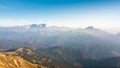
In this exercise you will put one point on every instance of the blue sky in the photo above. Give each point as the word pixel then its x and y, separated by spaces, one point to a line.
pixel 103 14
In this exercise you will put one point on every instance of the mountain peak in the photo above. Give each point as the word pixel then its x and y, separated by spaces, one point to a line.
pixel 89 27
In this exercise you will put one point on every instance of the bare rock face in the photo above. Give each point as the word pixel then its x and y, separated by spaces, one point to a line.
pixel 14 61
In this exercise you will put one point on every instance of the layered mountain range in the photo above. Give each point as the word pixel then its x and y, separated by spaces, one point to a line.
pixel 62 47
pixel 95 42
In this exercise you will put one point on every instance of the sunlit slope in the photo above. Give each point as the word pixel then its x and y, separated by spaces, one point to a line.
pixel 14 61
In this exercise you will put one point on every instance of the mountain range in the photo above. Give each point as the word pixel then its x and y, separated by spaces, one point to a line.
pixel 93 41
pixel 62 47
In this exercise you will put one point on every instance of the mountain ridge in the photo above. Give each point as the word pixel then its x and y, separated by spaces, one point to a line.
pixel 13 61
pixel 42 26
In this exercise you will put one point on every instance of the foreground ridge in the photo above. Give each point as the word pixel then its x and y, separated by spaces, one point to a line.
pixel 14 61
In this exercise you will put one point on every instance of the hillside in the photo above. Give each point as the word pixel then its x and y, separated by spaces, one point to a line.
pixel 64 57
pixel 54 57
pixel 10 60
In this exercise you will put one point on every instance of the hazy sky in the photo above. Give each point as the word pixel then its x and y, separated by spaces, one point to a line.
pixel 103 14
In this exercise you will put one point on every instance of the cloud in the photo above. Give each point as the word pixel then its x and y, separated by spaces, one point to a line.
pixel 3 7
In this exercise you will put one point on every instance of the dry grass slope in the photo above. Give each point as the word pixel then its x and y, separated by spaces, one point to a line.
pixel 14 61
